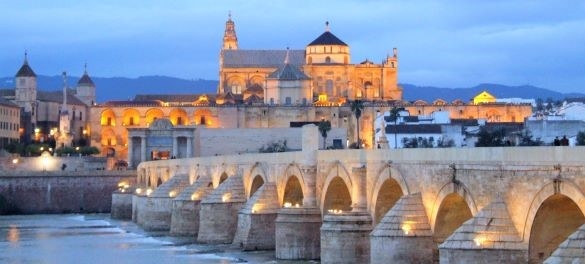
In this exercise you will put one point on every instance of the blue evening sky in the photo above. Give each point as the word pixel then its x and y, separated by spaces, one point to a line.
pixel 458 43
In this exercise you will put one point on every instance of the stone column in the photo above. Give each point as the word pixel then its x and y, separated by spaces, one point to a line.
pixel 142 148
pixel 359 189
pixel 309 175
pixel 175 146
pixel 130 152
pixel 189 147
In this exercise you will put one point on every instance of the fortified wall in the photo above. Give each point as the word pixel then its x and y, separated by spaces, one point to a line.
pixel 41 192
pixel 453 205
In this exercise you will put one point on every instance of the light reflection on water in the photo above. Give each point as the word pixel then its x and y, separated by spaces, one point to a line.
pixel 98 239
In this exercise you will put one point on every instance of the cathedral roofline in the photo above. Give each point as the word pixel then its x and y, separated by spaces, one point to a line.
pixel 85 79
pixel 327 38
pixel 25 70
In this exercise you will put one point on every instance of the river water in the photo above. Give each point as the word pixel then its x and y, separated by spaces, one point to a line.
pixel 98 239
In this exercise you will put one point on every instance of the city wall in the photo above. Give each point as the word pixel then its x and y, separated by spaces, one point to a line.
pixel 41 192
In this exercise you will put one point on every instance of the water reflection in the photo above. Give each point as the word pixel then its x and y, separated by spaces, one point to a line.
pixel 13 235
pixel 98 239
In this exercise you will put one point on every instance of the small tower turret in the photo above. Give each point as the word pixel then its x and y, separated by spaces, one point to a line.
pixel 26 86
pixel 85 89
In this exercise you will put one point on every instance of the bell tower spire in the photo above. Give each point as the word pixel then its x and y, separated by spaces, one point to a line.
pixel 230 40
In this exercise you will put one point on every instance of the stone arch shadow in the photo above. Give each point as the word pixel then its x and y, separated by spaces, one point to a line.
pixel 336 170
pixel 564 187
pixel 292 170
pixel 381 177
pixel 256 170
pixel 447 189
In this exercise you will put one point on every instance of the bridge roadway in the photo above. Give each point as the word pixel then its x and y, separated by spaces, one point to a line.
pixel 452 205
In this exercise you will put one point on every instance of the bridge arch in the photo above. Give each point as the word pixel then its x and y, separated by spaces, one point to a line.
pixel 256 178
pixel 389 187
pixel 559 203
pixel 337 190
pixel 292 188
pixel 445 195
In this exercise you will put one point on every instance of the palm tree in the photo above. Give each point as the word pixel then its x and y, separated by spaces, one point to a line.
pixel 324 127
pixel 356 108
pixel 394 115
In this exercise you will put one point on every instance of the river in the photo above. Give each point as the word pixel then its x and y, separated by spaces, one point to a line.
pixel 92 238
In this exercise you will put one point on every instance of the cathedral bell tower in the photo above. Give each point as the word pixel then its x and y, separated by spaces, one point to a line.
pixel 26 87
pixel 230 40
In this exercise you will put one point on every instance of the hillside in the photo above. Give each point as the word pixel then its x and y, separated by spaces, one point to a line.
pixel 121 88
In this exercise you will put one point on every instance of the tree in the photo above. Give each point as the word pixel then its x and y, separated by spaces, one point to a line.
pixel 580 138
pixel 527 140
pixel 485 138
pixel 394 115
pixel 324 127
pixel 539 104
pixel 549 104
pixel 356 108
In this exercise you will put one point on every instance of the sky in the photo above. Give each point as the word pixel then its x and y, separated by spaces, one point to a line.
pixel 456 43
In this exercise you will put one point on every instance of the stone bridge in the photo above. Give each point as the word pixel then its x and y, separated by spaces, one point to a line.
pixel 452 205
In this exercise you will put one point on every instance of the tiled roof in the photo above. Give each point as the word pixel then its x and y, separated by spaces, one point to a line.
pixel 288 72
pixel 261 58
pixel 6 92
pixel 134 103
pixel 414 129
pixel 85 80
pixel 254 100
pixel 327 38
pixel 5 102
pixel 171 97
pixel 25 71
pixel 57 97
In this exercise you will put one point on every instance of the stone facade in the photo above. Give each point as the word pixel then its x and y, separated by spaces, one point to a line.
pixel 32 192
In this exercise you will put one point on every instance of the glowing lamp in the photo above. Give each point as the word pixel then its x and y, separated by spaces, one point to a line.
pixel 172 193
pixel 138 190
pixel 287 205
pixel 226 197
pixel 14 161
pixel 406 228
pixel 148 191
pixel 479 240
pixel 194 196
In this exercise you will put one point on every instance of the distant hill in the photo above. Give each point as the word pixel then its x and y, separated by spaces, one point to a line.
pixel 121 88
pixel 429 93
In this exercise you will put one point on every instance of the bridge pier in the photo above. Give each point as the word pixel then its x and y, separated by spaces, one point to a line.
pixel 489 237
pixel 345 238
pixel 256 220
pixel 186 208
pixel 121 205
pixel 298 233
pixel 404 234
pixel 138 202
pixel 218 217
pixel 158 207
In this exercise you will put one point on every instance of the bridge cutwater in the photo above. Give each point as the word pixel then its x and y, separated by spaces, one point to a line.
pixel 450 205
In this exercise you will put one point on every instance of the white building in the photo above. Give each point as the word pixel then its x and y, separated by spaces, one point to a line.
pixel 435 130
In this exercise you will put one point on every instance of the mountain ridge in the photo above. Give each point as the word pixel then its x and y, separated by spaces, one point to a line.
pixel 124 88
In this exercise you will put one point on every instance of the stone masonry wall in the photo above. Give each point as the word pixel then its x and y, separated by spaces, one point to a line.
pixel 62 192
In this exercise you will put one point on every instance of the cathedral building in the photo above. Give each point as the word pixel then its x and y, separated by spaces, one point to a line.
pixel 261 88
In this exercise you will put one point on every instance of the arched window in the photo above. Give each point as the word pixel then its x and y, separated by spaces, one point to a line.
pixel 327 59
